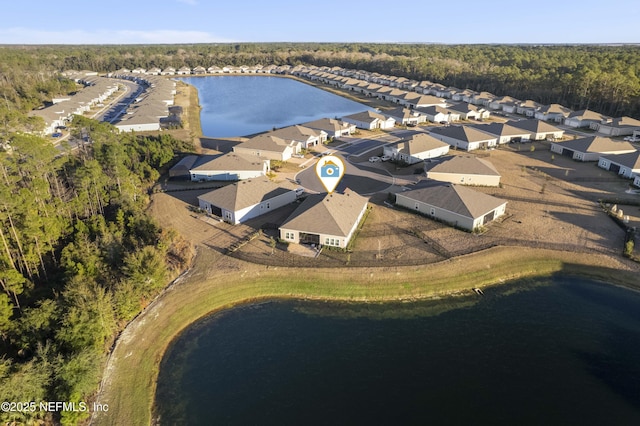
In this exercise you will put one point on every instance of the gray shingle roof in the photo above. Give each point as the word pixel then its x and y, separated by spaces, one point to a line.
pixel 464 164
pixel 596 144
pixel 332 214
pixel 534 125
pixel 456 198
pixel 231 161
pixel 463 133
pixel 244 194
pixel 419 143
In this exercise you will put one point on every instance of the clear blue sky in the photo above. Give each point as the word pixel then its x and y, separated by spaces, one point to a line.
pixel 204 21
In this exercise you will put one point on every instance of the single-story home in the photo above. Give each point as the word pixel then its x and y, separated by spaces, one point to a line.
pixel 584 118
pixel 138 123
pixel 504 103
pixel 332 127
pixel 553 112
pixel 417 148
pixel 456 205
pixel 504 132
pixel 231 166
pixel 528 108
pixel 538 129
pixel 626 165
pixel 591 148
pixel 464 137
pixel 325 219
pixel 416 100
pixel 470 112
pixel 241 201
pixel 464 170
pixel 406 116
pixel 269 146
pixel 306 136
pixel 182 169
pixel 620 126
pixel 370 120
pixel 438 114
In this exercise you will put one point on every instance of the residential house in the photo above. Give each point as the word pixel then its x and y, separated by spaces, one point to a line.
pixel 370 120
pixel 538 129
pixel 528 108
pixel 502 101
pixel 334 128
pixel 269 146
pixel 241 201
pixel 457 205
pixel 182 169
pixel 464 170
pixel 199 70
pixel 229 167
pixel 462 95
pixel 584 118
pixel 168 71
pixel 325 219
pixel 620 126
pixel 553 112
pixel 470 112
pixel 417 148
pixel 626 165
pixel 406 116
pixel 184 71
pixel 482 98
pixel 504 132
pixel 438 114
pixel 464 137
pixel 138 123
pixel 591 148
pixel 416 100
pixel 306 136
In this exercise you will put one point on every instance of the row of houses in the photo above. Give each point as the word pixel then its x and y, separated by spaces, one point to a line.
pixel 620 157
pixel 149 110
pixel 95 91
pixel 212 70
pixel 371 84
pixel 320 219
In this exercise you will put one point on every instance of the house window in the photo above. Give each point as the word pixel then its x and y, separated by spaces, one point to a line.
pixel 268 205
pixel 433 211
pixel 417 206
pixel 289 236
pixel 335 242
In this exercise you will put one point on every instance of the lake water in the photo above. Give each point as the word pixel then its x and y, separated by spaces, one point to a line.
pixel 239 106
pixel 564 351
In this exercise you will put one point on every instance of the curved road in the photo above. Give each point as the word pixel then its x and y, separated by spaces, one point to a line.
pixel 358 177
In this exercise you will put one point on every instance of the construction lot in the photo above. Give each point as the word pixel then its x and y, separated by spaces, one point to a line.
pixel 553 202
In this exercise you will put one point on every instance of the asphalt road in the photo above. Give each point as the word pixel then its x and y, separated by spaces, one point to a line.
pixel 358 177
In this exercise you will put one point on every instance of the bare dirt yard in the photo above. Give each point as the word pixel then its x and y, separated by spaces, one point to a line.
pixel 553 202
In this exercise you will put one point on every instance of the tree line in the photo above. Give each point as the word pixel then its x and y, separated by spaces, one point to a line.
pixel 602 78
pixel 79 258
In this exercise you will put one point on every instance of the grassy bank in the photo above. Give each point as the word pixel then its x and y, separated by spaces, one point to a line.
pixel 129 385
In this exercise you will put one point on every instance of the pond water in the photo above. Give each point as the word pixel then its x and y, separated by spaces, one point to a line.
pixel 553 351
pixel 239 105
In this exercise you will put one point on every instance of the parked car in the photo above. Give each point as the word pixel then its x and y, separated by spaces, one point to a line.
pixel 375 159
pixel 385 158
pixel 56 135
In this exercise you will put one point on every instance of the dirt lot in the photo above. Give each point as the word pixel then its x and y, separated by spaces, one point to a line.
pixel 552 203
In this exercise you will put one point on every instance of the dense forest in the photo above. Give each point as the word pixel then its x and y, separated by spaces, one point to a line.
pixel 79 258
pixel 601 78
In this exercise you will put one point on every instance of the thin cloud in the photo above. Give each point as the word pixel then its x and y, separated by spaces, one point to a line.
pixel 33 36
pixel 189 2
